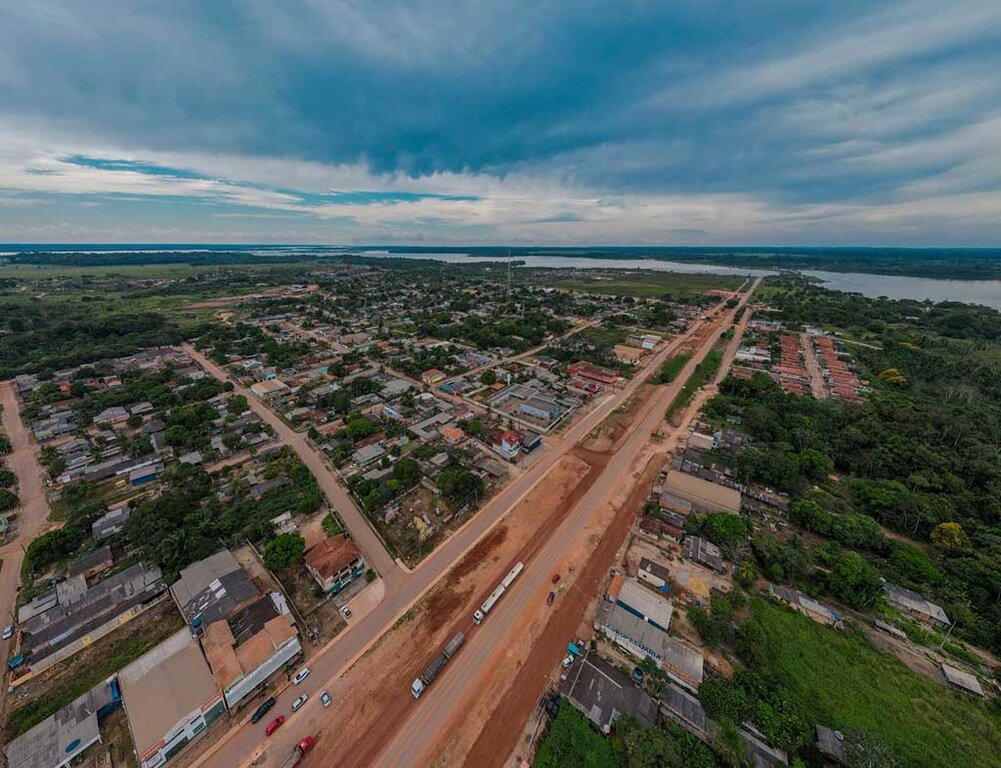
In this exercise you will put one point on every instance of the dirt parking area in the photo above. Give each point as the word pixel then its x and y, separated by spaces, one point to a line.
pixel 378 684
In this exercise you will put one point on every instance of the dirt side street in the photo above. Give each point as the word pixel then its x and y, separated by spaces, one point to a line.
pixel 362 533
pixel 32 514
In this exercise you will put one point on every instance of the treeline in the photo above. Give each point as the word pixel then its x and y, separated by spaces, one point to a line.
pixel 805 303
pixel 915 460
pixel 42 338
pixel 139 258
pixel 954 263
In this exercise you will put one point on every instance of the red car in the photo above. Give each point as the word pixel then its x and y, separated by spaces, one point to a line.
pixel 556 578
pixel 274 725
pixel 549 600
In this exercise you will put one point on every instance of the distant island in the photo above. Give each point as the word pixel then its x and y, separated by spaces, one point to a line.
pixel 942 263
pixel 939 263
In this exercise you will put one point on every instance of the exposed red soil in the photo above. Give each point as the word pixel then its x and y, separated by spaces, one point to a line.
pixel 499 737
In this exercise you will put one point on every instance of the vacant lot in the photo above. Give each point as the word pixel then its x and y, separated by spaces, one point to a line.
pixel 844 682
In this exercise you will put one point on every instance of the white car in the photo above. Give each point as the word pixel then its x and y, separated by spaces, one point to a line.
pixel 8 632
pixel 299 702
pixel 568 661
pixel 301 675
pixel 346 612
pixel 325 699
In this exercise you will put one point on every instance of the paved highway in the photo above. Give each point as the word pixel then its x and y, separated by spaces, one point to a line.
pixel 32 515
pixel 456 686
pixel 243 743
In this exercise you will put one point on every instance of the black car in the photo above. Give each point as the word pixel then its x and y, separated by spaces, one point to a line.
pixel 263 709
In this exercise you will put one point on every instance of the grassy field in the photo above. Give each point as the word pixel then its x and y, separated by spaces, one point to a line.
pixel 649 284
pixel 842 681
pixel 703 372
pixel 669 371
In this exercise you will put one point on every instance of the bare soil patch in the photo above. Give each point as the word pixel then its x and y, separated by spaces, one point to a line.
pixel 604 437
pixel 378 684
pixel 490 732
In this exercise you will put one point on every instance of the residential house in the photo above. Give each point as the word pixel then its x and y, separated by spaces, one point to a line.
pixel 334 563
pixel 507 443
pixel 913 604
pixel 432 376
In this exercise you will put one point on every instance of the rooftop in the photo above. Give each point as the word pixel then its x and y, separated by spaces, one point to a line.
pixel 645 604
pixel 62 736
pixel 602 693
pixel 961 679
pixel 332 555
pixel 163 686
pixel 213 588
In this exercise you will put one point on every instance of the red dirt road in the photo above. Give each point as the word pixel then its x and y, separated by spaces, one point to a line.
pixel 32 513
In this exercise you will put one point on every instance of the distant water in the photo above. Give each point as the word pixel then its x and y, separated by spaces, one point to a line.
pixel 987 292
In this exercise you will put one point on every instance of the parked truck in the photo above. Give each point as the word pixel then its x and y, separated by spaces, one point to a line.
pixel 417 686
pixel 301 749
pixel 496 595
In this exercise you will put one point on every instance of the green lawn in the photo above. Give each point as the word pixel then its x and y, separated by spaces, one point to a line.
pixel 842 681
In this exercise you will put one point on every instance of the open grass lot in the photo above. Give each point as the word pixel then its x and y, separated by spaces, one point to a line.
pixel 649 284
pixel 703 372
pixel 842 681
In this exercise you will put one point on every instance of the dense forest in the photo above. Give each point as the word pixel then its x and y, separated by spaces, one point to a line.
pixel 42 337
pixel 919 456
pixel 139 258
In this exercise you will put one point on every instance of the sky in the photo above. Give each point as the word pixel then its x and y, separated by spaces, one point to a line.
pixel 430 122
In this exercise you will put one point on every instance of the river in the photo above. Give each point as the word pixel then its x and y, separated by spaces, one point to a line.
pixel 987 292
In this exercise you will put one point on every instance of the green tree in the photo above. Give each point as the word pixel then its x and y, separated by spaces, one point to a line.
pixel 359 428
pixel 909 563
pixel 176 435
pixel 488 377
pixel 236 405
pixel 854 580
pixel 724 700
pixel 950 537
pixel 7 478
pixel 284 550
pixel 407 471
pixel 8 500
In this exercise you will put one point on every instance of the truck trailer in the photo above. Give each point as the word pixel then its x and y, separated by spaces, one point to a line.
pixel 301 749
pixel 418 686
pixel 496 595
